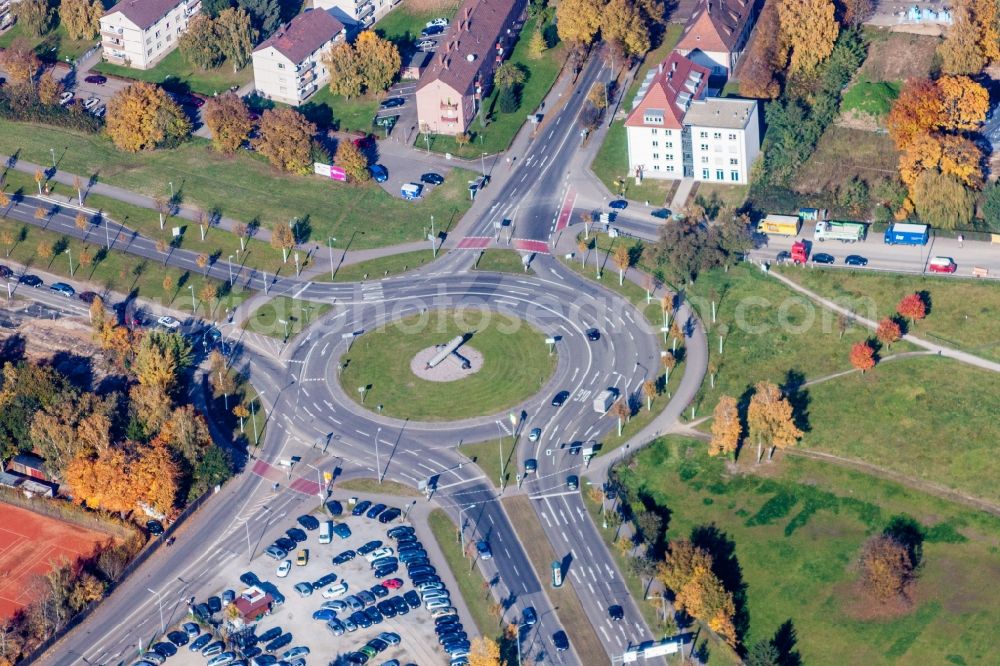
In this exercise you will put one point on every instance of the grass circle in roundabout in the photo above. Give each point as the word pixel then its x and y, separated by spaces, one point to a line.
pixel 515 365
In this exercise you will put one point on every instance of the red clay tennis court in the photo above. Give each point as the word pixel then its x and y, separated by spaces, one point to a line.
pixel 30 544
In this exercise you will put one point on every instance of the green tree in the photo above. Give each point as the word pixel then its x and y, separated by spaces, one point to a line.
pixel 265 14
pixel 236 36
pixel 34 16
pixel 507 100
pixel 991 206
pixel 508 75
pixel 763 653
pixel 213 8
pixel 81 18
pixel 200 43
pixel 537 45
pixel 942 200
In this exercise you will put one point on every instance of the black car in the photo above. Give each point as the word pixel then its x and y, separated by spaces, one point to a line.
pixel 297 535
pixel 334 507
pixel 529 617
pixel 214 604
pixel 308 522
pixel 560 640
pixel 345 556
pixel 560 399
pixel 360 507
pixel 369 547
pixel 269 635
pixel 413 599
pixel 178 638
pixel 375 510
pixel 398 531
pixel 453 637
pixel 407 541
pixel 392 103
pixel 432 178
pixel 593 334
pixel 323 581
pixel 823 258
pixel 165 649
pixel 855 260
pixel 96 79
pixel 661 213
pixel 5 272
pixel 421 569
pixel 616 612
pixel 389 515
pixel 432 30
pixel 154 527
pixel 374 615
pixel 379 591
pixel 618 204
pixel 278 643
pixel 249 579
pixel 285 544
pixel 387 570
pixel 31 280
pixel 202 611
pixel 445 621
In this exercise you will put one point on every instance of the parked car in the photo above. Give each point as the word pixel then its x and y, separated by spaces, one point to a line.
pixel 99 111
pixel 392 583
pixel 284 568
pixel 31 280
pixel 168 322
pixel 154 527
pixel 443 22
pixel 308 522
pixel 296 535
pixel 661 213
pixel 165 648
pixel 389 515
pixel 269 635
pixel 369 547
pixel 200 642
pixel 96 79
pixel 375 510
pixel 398 531
pixel 63 289
pixel 334 507
pixel 345 556
pixel 379 173
pixel 303 558
pixel 91 102
pixel 432 178
pixel 304 589
pixel 360 507
pixel 65 98
pixel 214 604
pixel 86 296
pixel 285 544
pixel 426 44
pixel 249 579
pixel 278 643
pixel 323 581
pixel 6 272
pixel 342 530
pixel 392 103
pixel 432 30
pixel 335 590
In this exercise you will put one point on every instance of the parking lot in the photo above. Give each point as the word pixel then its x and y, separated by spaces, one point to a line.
pixel 294 613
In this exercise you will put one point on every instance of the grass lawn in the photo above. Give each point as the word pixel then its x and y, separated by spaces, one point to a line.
pixel 376 269
pixel 963 313
pixel 177 74
pixel 403 24
pixel 611 162
pixel 502 261
pixel 728 195
pixel 471 585
pixel 373 486
pixel 339 113
pixel 769 333
pixel 487 456
pixel 796 530
pixel 65 49
pixel 114 269
pixel 894 410
pixel 872 98
pixel 244 187
pixel 497 135
pixel 841 155
pixel 266 320
pixel 381 359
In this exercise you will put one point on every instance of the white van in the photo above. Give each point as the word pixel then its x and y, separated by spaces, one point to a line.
pixel 411 191
pixel 604 400
pixel 325 531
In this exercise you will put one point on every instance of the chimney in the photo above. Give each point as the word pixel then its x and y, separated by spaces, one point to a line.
pixel 673 66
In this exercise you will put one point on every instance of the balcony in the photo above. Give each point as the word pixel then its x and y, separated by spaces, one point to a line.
pixel 115 57
pixel 448 106
pixel 365 10
pixel 305 67
pixel 308 77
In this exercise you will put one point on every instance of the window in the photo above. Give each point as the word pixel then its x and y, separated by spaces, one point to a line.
pixel 733 161
pixel 655 130
pixel 656 156
pixel 717 135
pixel 168 25
pixel 149 52
pixel 670 168
pixel 669 132
pixel 670 144
pixel 734 175
pixel 170 38
pixel 704 146
pixel 656 167
pixel 687 156
pixel 732 136
pixel 704 159
pixel 704 174
pixel 157 33
pixel 719 175
pixel 704 135
pixel 281 65
pixel 655 144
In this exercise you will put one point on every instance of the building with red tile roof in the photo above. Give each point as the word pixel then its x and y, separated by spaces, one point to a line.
pixel 717 33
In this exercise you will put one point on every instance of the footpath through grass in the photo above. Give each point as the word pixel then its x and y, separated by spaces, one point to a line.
pixel 795 532
pixel 964 314
pixel 175 73
pixel 245 187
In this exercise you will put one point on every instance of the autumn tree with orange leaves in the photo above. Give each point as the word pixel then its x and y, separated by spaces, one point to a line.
pixel 726 427
pixel 888 332
pixel 862 356
pixel 973 38
pixel 686 570
pixel 912 307
pixel 770 417
pixel 143 117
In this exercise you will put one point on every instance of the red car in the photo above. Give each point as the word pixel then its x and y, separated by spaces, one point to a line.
pixel 97 79
pixel 942 265
pixel 366 142
pixel 392 584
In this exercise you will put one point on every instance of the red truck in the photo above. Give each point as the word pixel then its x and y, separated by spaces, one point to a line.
pixel 800 252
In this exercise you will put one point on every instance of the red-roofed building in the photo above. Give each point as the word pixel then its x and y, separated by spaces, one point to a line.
pixel 717 33
pixel 460 74
pixel 140 33
pixel 675 132
pixel 288 66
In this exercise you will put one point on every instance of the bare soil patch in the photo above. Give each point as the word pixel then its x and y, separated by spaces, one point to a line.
pixel 899 56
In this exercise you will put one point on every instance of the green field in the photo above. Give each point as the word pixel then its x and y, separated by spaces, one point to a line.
pixel 376 269
pixel 266 320
pixel 175 73
pixel 930 418
pixel 487 456
pixel 339 113
pixel 872 98
pixel 497 135
pixel 56 45
pixel 502 261
pixel 963 313
pixel 381 359
pixel 403 25
pixel 244 187
pixel 797 531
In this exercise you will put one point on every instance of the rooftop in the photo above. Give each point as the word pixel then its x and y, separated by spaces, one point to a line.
pixel 721 112
pixel 144 13
pixel 301 36
pixel 671 89
pixel 716 25
pixel 470 39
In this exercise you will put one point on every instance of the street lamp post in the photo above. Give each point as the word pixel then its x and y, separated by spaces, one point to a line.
pixel 284 322
pixel 330 241
pixel 518 638
pixel 53 151
pixel 378 463
pixel 461 525
pixel 247 525
pixel 193 306
pixel 482 159
pixel 171 183
pixel 70 255
pixel 159 603
pixel 500 447
pixel 230 270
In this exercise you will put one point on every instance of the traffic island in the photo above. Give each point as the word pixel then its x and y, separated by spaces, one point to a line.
pixel 445 365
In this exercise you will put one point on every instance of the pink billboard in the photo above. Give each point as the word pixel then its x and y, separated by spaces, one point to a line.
pixel 329 171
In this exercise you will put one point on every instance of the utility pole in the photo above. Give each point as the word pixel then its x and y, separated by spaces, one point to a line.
pixel 330 241
pixel 378 461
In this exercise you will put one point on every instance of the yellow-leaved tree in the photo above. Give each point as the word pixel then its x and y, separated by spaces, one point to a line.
pixel 285 139
pixel 228 119
pixel 81 18
pixel 484 652
pixel 771 419
pixel 726 427
pixel 143 117
pixel 808 31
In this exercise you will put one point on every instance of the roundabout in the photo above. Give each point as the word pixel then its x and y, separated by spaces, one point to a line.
pixel 498 361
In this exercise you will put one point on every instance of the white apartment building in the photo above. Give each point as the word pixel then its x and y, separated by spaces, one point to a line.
pixel 675 132
pixel 140 33
pixel 361 12
pixel 288 67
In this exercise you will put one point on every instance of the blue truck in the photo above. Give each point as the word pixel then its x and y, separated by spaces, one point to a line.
pixel 907 234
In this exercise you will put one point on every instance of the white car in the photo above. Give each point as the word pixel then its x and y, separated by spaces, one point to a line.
pixel 443 22
pixel 65 98
pixel 168 322
pixel 426 44
pixel 379 552
pixel 335 590
pixel 91 103
pixel 284 568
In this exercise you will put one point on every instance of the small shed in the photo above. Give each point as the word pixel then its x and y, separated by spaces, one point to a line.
pixel 253 604
pixel 30 465
pixel 415 66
